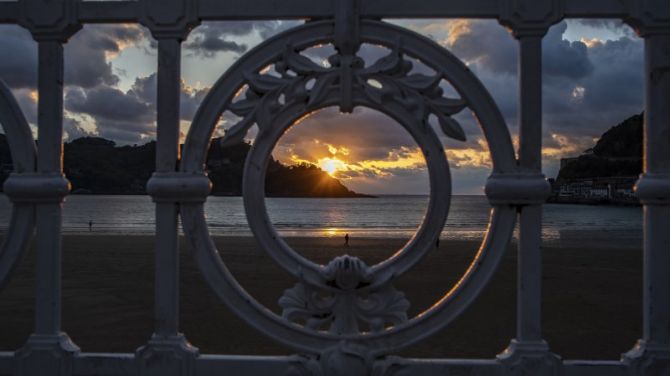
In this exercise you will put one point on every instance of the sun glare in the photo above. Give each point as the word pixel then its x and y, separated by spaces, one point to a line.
pixel 331 165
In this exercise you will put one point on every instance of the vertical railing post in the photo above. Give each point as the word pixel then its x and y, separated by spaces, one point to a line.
pixel 529 21
pixel 529 273
pixel 168 352
pixel 651 355
pixel 167 155
pixel 48 351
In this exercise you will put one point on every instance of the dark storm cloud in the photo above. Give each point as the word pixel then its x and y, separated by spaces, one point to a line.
pixel 73 129
pixel 208 47
pixel 587 89
pixel 145 88
pixel 610 24
pixel 491 48
pixel 89 77
pixel 122 117
pixel 487 44
pixel 90 80
pixel 26 100
pixel 108 103
pixel 127 117
pixel 28 104
pixel 212 37
pixel 190 99
pixel 613 92
pixel 588 86
pixel 268 29
pixel 562 58
pixel 619 81
pixel 18 65
pixel 85 55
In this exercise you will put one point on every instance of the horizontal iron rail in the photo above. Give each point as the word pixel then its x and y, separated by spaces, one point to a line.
pixel 107 364
pixel 127 11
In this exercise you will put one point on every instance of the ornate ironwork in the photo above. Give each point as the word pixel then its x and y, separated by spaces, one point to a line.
pixel 386 80
pixel 347 299
pixel 353 302
pixel 364 317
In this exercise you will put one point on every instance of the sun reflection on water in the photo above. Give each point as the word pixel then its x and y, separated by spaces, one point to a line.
pixel 332 232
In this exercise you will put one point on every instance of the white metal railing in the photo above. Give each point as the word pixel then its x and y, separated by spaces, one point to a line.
pixel 362 319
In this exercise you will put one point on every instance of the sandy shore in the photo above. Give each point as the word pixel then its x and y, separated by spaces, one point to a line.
pixel 592 296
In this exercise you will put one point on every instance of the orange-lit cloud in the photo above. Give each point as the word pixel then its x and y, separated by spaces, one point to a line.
pixel 371 153
pixel 335 161
pixel 475 157
pixel 456 29
pixel 34 95
pixel 562 146
pixel 128 35
pixel 592 42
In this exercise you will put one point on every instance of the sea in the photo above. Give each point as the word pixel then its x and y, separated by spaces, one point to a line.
pixel 379 217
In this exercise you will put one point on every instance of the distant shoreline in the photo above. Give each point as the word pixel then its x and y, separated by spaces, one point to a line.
pixel 551 200
pixel 361 195
pixel 594 202
pixel 357 195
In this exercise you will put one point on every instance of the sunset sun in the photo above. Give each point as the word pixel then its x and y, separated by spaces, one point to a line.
pixel 331 165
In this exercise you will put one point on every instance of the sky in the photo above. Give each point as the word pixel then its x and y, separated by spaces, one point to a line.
pixel 593 80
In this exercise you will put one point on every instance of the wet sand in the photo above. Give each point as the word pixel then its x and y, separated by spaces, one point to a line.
pixel 591 307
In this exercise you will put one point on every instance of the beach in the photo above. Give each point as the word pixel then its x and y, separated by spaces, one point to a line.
pixel 591 302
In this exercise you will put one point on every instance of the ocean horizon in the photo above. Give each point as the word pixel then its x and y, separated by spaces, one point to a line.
pixel 334 217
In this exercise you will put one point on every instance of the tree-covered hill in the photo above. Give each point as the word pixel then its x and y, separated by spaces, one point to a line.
pixel 96 165
pixel 617 153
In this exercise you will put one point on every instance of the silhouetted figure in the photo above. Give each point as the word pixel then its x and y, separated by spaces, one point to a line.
pixel 346 240
pixel 437 243
pixel 90 226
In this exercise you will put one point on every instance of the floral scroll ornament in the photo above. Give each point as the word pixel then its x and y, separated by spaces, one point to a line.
pixel 347 298
pixel 300 80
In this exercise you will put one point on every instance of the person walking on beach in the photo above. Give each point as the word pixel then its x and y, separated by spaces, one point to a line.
pixel 346 240
pixel 90 226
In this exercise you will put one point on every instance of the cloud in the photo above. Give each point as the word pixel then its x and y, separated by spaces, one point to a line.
pixel 145 88
pixel 122 116
pixel 612 92
pixel 86 55
pixel 88 51
pixel 615 25
pixel 562 58
pixel 74 129
pixel 473 156
pixel 208 47
pixel 127 117
pixel 18 65
pixel 367 134
pixel 27 100
pixel 484 44
pixel 489 47
pixel 211 38
pixel 590 84
pixel 357 146
pixel 108 103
